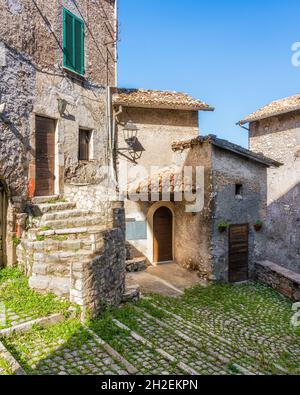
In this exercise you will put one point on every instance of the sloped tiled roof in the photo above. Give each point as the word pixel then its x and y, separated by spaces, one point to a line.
pixel 225 145
pixel 166 180
pixel 277 107
pixel 158 99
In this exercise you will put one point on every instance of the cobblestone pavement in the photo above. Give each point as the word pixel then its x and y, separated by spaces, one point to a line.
pixel 19 304
pixel 4 367
pixel 222 329
pixel 13 319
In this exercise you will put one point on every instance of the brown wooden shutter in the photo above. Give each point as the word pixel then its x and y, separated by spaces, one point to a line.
pixel 45 156
pixel 163 235
pixel 238 253
pixel 84 145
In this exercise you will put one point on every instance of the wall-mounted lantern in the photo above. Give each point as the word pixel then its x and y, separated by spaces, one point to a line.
pixel 62 106
pixel 130 134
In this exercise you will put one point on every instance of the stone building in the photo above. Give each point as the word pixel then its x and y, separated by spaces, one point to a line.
pixel 170 217
pixel 274 130
pixel 57 64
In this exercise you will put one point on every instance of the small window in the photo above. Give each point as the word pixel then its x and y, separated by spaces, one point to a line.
pixel 84 152
pixel 238 189
pixel 73 42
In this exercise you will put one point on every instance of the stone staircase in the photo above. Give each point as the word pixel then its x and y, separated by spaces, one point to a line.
pixel 135 262
pixel 59 237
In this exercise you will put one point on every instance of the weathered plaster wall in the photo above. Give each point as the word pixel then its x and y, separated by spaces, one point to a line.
pixel 157 130
pixel 23 28
pixel 227 171
pixel 82 182
pixel 279 138
pixel 192 231
pixel 17 87
pixel 33 79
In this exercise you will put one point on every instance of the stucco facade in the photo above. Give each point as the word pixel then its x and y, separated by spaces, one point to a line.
pixel 197 243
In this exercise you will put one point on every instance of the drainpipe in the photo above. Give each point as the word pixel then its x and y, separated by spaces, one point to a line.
pixel 109 130
pixel 116 41
pixel 114 132
pixel 243 127
pixel 248 130
pixel 112 119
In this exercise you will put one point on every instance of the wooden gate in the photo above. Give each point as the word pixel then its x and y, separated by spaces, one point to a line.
pixel 163 235
pixel 238 253
pixel 3 215
pixel 45 156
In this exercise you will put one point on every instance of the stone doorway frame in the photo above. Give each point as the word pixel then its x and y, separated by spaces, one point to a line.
pixel 150 238
pixel 58 154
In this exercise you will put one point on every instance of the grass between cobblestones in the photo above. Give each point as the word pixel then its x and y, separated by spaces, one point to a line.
pixel 221 329
pixel 21 303
pixel 5 369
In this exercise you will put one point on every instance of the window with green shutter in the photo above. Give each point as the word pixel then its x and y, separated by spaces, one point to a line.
pixel 73 42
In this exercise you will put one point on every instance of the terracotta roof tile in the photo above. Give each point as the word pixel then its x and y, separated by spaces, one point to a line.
pixel 158 99
pixel 225 145
pixel 277 107
pixel 167 180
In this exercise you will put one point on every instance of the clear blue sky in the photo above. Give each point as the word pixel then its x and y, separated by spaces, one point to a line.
pixel 233 54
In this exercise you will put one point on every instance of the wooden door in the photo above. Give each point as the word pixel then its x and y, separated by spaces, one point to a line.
pixel 238 253
pixel 163 235
pixel 3 214
pixel 45 156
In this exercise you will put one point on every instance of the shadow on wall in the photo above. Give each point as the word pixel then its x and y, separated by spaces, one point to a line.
pixel 283 230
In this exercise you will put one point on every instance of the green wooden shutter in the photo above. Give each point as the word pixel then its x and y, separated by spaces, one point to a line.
pixel 68 41
pixel 79 46
pixel 73 42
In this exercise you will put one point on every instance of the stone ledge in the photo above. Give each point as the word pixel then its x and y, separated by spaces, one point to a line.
pixel 283 280
pixel 14 365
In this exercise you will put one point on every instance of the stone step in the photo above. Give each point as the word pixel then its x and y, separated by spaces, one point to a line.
pixel 40 209
pixel 88 244
pixel 61 257
pixel 73 222
pixel 44 199
pixel 136 265
pixel 59 215
pixel 84 232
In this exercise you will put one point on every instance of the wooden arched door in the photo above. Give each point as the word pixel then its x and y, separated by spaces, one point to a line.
pixel 163 235
pixel 3 214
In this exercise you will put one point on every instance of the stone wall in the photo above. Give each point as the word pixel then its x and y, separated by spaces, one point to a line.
pixel 279 138
pixel 282 280
pixel 101 281
pixel 33 79
pixel 17 76
pixel 87 268
pixel 157 130
pixel 38 33
pixel 228 170
pixel 193 230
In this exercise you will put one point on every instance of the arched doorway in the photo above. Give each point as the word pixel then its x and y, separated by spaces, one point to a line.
pixel 3 215
pixel 163 235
